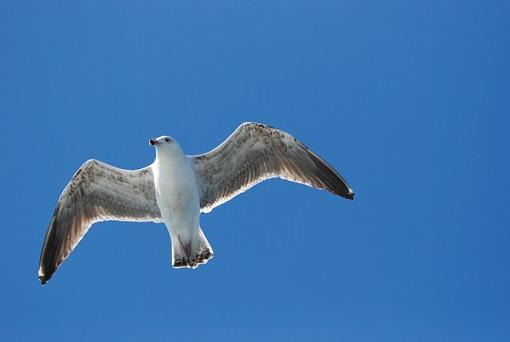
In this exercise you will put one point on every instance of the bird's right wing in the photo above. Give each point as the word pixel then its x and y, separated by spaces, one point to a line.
pixel 97 192
pixel 255 152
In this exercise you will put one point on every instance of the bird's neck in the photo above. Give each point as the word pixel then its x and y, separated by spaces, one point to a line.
pixel 166 158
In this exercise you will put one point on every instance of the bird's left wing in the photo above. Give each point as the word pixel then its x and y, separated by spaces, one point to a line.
pixel 256 152
pixel 97 192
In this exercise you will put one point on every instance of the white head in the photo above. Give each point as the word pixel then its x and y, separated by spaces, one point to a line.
pixel 166 147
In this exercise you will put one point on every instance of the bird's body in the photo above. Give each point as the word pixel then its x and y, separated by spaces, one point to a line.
pixel 176 188
pixel 178 200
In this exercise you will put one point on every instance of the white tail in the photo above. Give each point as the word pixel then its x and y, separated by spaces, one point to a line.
pixel 191 253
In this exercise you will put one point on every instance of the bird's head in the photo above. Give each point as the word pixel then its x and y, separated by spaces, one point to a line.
pixel 161 141
pixel 165 145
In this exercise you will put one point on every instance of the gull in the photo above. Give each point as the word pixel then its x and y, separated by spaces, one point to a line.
pixel 176 188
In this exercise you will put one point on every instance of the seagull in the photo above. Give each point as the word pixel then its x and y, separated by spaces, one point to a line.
pixel 176 188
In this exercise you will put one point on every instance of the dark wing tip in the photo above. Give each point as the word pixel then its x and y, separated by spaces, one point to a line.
pixel 46 270
pixel 49 253
pixel 43 278
pixel 349 195
pixel 331 178
pixel 343 192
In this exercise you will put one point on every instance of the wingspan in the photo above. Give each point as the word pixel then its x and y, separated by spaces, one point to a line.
pixel 97 192
pixel 256 152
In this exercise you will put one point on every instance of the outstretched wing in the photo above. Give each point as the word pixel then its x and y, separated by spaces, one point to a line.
pixel 97 192
pixel 256 152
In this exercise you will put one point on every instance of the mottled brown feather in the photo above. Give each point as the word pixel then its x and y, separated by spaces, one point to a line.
pixel 256 152
pixel 97 192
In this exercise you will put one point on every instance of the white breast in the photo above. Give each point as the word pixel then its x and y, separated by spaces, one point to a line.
pixel 176 190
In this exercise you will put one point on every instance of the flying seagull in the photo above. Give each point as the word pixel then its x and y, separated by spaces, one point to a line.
pixel 176 188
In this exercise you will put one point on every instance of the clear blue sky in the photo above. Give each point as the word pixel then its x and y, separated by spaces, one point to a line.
pixel 409 100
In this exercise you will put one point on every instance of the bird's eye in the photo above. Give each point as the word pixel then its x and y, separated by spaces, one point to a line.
pixel 167 140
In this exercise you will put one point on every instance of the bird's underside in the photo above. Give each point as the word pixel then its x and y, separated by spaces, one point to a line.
pixel 254 152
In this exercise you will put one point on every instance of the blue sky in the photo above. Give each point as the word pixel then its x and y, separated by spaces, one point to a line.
pixel 409 100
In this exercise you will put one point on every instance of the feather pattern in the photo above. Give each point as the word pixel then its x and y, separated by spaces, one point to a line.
pixel 97 192
pixel 256 152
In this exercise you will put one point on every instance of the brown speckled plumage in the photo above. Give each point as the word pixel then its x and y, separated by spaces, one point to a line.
pixel 256 152
pixel 97 192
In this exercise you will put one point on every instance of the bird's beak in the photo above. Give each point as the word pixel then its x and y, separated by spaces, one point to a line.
pixel 154 142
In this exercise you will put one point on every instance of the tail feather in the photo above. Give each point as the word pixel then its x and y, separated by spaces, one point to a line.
pixel 191 253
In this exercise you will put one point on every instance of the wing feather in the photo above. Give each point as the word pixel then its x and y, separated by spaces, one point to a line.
pixel 97 192
pixel 256 152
